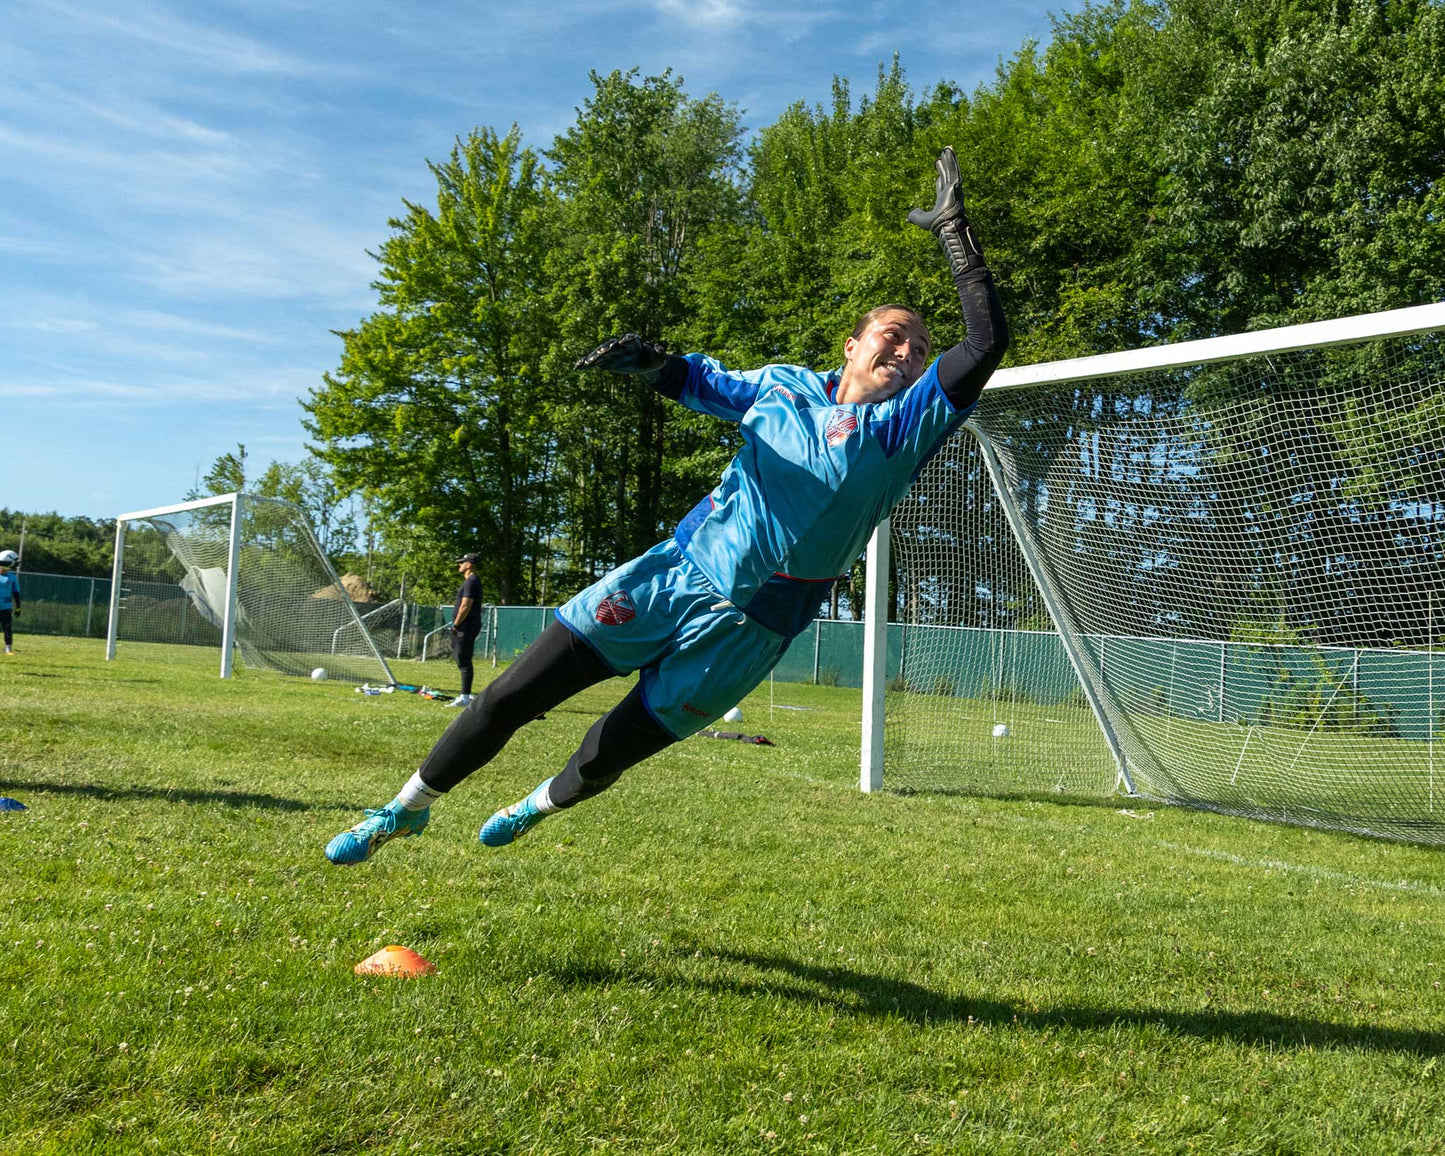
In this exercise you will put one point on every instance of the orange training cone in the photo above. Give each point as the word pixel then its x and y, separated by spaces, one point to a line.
pixel 395 960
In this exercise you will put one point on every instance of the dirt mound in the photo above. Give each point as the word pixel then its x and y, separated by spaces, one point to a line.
pixel 358 589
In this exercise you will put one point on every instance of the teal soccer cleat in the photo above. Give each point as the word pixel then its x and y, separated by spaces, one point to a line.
pixel 513 822
pixel 390 822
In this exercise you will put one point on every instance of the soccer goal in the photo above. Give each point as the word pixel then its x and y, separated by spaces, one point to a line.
pixel 399 629
pixel 1210 574
pixel 242 573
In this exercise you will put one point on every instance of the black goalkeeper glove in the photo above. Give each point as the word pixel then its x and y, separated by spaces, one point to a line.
pixel 947 221
pixel 627 354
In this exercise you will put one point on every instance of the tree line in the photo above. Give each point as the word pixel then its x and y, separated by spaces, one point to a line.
pixel 1156 172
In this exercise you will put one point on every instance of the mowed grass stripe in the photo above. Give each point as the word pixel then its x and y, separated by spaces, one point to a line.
pixel 731 950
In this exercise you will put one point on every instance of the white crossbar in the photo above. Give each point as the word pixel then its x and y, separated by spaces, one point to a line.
pixel 179 507
pixel 1312 335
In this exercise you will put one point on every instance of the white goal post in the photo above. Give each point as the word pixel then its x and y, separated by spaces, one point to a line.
pixel 241 572
pixel 1206 573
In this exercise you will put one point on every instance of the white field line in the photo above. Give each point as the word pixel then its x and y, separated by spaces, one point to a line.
pixel 1304 869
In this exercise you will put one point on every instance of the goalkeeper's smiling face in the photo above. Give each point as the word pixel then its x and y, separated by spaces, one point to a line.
pixel 886 358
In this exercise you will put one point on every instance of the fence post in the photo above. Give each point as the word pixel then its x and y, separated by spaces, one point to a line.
pixel 817 646
pixel 89 606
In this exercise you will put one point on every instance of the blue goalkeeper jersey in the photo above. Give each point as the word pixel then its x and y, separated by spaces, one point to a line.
pixel 9 589
pixel 797 504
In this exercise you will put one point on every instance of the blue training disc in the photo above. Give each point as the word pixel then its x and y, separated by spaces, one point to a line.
pixel 8 804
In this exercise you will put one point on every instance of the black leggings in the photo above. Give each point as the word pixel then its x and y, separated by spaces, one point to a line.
pixel 556 666
pixel 7 626
pixel 463 643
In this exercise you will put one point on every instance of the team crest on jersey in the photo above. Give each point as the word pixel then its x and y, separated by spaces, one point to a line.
pixel 615 609
pixel 840 425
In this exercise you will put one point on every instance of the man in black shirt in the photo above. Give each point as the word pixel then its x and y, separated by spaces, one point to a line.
pixel 466 622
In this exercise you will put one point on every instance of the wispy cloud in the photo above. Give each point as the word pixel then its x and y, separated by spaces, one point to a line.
pixel 206 46
pixel 118 110
pixel 276 389
pixel 61 313
pixel 706 13
pixel 30 246
pixel 188 192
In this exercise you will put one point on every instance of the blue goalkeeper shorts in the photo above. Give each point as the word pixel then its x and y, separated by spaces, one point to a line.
pixel 698 654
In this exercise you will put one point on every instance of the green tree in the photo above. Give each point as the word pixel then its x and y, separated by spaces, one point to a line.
pixel 227 475
pixel 642 182
pixel 58 545
pixel 435 412
pixel 310 485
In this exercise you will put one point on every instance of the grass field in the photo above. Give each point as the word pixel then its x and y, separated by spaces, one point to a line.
pixel 732 950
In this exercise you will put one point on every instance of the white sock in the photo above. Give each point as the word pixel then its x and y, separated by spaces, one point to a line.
pixel 416 795
pixel 542 799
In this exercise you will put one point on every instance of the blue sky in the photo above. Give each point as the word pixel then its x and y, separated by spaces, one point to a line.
pixel 188 191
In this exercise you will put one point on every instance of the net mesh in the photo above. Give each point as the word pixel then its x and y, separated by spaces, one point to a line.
pixel 399 629
pixel 1247 558
pixel 290 608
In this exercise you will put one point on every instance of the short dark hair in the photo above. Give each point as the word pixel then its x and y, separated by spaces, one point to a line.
pixel 873 314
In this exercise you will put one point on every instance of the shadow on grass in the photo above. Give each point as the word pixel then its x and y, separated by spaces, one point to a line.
pixel 857 993
pixel 49 674
pixel 172 795
pixel 1053 798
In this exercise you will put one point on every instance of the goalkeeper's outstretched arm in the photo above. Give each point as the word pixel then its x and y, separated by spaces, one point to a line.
pixel 696 382
pixel 964 369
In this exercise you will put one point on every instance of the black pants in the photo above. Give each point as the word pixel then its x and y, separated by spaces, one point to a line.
pixel 7 624
pixel 554 668
pixel 463 642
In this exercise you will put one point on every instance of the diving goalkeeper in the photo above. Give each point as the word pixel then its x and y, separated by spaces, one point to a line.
pixel 706 614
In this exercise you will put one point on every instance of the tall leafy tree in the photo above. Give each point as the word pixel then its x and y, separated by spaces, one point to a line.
pixel 227 475
pixel 642 180
pixel 309 485
pixel 434 412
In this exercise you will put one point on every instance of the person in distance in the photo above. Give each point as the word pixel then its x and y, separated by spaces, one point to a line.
pixel 706 614
pixel 9 596
pixel 466 624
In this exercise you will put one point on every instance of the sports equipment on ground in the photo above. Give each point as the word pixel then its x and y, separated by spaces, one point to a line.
pixel 736 736
pixel 511 823
pixel 1210 574
pixel 395 960
pixel 240 571
pixel 735 714
pixel 319 674
pixel 9 804
pixel 379 827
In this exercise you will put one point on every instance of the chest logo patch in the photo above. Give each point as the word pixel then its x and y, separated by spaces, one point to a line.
pixel 840 424
pixel 616 609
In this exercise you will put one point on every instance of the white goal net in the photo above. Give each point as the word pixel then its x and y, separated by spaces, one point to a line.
pixel 399 629
pixel 239 573
pixel 1213 574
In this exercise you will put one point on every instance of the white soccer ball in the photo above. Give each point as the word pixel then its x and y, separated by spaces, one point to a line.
pixel 734 715
pixel 1000 731
pixel 319 674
